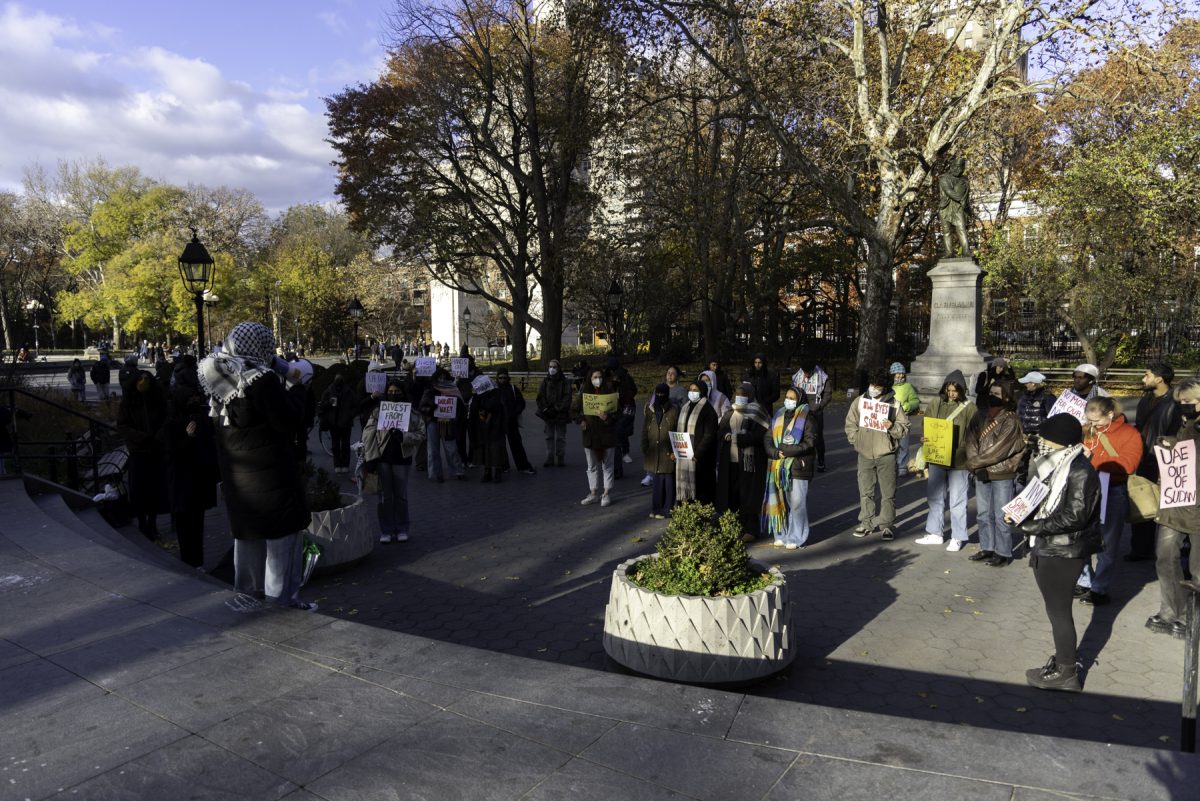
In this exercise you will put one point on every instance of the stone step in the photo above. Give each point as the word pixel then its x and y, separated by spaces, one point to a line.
pixel 56 509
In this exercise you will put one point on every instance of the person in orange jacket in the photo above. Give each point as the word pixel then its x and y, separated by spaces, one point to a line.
pixel 1115 448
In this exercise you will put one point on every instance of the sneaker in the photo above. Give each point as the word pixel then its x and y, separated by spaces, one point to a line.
pixel 1054 676
pixel 627 459
pixel 791 546
pixel 862 530
pixel 955 545
pixel 659 517
pixel 401 537
pixel 931 539
pixel 529 471
pixel 647 481
pixel 1179 630
pixel 303 606
pixel 604 501
pixel 778 543
pixel 1080 591
pixel 888 535
pixel 385 537
pixel 820 467
pixel 589 500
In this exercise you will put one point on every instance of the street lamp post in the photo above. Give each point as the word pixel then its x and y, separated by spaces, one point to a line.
pixel 356 312
pixel 210 300
pixel 199 275
pixel 614 313
pixel 466 318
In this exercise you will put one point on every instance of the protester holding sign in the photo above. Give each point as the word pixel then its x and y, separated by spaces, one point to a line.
pixel 1157 417
pixel 1175 523
pixel 741 459
pixel 790 447
pixel 948 476
pixel 660 418
pixel 490 429
pixel 1063 532
pixel 388 451
pixel 696 478
pixel 441 429
pixel 995 445
pixel 875 423
pixel 514 404
pixel 1115 448
pixel 599 439
pixel 554 407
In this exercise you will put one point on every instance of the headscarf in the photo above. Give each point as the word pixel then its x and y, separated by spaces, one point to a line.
pixel 184 373
pixel 716 398
pixel 665 391
pixel 246 357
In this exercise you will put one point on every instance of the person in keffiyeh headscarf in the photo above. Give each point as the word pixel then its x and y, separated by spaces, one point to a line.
pixel 741 461
pixel 264 495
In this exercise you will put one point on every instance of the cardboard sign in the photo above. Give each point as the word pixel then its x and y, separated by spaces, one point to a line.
pixel 1024 504
pixel 939 441
pixel 376 381
pixel 460 367
pixel 1176 474
pixel 394 415
pixel 425 365
pixel 681 445
pixel 873 415
pixel 596 404
pixel 447 407
pixel 1072 404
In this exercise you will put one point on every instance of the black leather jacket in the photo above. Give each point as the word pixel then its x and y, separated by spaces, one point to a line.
pixel 1156 418
pixel 1072 531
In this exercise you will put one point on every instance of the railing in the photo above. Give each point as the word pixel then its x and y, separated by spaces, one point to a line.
pixel 63 445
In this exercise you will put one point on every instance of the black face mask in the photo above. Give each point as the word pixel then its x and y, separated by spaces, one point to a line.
pixel 993 401
pixel 660 398
pixel 1189 412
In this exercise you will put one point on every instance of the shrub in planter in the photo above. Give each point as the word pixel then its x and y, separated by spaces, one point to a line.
pixel 698 557
pixel 320 488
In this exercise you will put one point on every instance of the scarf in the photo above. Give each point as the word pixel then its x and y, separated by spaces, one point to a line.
pixel 1053 467
pixel 752 413
pixel 685 469
pixel 716 397
pixel 227 374
pixel 779 472
pixel 813 383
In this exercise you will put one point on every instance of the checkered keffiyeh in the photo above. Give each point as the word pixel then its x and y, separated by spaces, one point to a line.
pixel 246 357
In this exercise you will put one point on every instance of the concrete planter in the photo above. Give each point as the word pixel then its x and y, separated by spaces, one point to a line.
pixel 698 639
pixel 346 535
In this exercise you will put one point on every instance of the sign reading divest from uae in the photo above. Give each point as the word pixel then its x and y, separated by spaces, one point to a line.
pixel 681 445
pixel 1176 474
pixel 376 381
pixel 394 415
pixel 1072 404
pixel 460 368
pixel 447 407
pixel 939 441
pixel 594 404
pixel 424 366
pixel 873 414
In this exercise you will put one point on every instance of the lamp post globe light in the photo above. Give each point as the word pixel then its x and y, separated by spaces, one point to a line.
pixel 356 312
pixel 199 275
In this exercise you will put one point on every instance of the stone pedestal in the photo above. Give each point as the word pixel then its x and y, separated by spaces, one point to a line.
pixel 955 327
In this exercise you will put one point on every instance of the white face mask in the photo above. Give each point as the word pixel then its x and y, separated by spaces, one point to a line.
pixel 596 382
pixel 740 401
pixel 694 396
pixel 553 371
pixel 875 392
pixel 790 404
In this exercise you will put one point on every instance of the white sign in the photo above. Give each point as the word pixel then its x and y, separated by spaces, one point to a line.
pixel 873 414
pixel 1176 474
pixel 447 407
pixel 394 415
pixel 425 365
pixel 681 445
pixel 1105 482
pixel 459 367
pixel 1024 504
pixel 1072 404
pixel 376 381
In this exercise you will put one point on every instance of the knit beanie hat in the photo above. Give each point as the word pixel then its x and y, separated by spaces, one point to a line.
pixel 1062 429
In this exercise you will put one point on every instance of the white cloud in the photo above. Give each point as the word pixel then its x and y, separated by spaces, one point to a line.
pixel 69 92
pixel 333 21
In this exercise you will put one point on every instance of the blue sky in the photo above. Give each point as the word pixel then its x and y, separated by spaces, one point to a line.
pixel 217 92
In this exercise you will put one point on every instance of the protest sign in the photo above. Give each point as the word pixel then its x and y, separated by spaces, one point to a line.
pixel 873 414
pixel 1105 482
pixel 1029 500
pixel 376 381
pixel 394 416
pixel 1176 474
pixel 460 368
pixel 939 441
pixel 447 407
pixel 681 445
pixel 425 365
pixel 595 404
pixel 1072 404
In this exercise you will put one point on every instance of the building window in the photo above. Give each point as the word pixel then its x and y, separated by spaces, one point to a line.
pixel 1030 233
pixel 1028 309
pixel 418 297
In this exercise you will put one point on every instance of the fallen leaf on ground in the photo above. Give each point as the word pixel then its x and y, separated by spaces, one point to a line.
pixel 1021 709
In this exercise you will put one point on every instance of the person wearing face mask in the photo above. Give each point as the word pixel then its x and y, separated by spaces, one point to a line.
pixel 390 453
pixel 441 434
pixel 141 418
pixel 554 407
pixel 1177 524
pixel 1063 531
pixel 676 394
pixel 741 460
pixel 514 404
pixel 995 446
pixel 696 478
pixel 1115 448
pixel 599 439
pixel 790 450
pixel 717 398
pixel 819 391
pixel 949 482
pixel 876 457
pixel 660 418
pixel 1158 416
pixel 337 410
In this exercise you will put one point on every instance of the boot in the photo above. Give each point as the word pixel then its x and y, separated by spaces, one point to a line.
pixel 487 475
pixel 562 461
pixel 1054 676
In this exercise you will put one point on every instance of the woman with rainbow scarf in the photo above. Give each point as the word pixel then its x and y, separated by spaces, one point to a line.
pixel 791 461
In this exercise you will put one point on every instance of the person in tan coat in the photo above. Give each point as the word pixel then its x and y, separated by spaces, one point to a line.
pixel 876 456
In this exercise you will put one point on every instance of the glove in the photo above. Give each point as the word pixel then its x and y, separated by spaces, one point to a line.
pixel 981 476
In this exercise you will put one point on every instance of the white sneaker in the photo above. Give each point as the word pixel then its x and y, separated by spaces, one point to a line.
pixel 791 546
pixel 385 537
pixel 647 481
pixel 956 545
pixel 605 501
pixel 401 538
pixel 778 543
pixel 627 459
pixel 931 539
pixel 589 500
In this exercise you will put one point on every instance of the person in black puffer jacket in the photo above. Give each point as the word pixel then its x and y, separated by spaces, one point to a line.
pixel 337 409
pixel 554 407
pixel 255 421
pixel 191 460
pixel 1064 532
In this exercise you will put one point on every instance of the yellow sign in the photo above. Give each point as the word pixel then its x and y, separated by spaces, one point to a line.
pixel 594 404
pixel 939 441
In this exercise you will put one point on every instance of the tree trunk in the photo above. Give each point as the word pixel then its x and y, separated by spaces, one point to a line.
pixel 8 341
pixel 552 316
pixel 873 317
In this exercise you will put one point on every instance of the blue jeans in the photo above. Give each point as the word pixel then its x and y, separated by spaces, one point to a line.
pixel 902 455
pixel 943 480
pixel 434 445
pixel 1111 529
pixel 271 567
pixel 990 498
pixel 797 516
pixel 393 498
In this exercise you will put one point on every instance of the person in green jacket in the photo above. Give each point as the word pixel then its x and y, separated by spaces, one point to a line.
pixel 949 481
pixel 910 404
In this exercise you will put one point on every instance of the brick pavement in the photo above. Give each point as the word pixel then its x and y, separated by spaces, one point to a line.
pixel 897 628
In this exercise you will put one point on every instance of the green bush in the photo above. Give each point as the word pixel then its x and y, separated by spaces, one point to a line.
pixel 699 557
pixel 320 489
